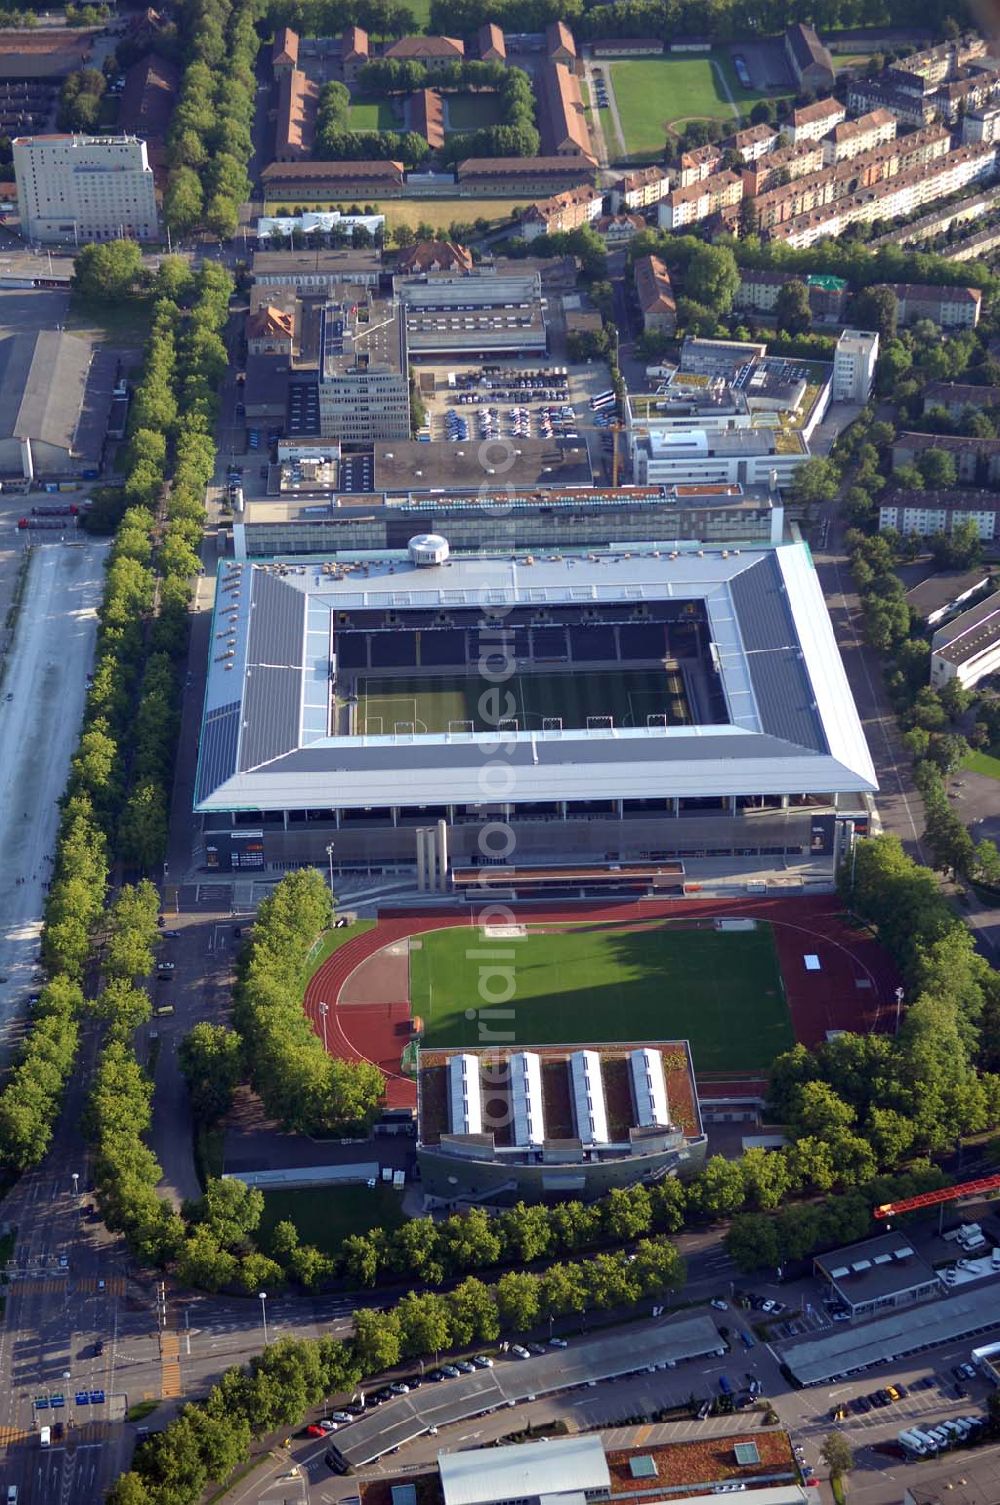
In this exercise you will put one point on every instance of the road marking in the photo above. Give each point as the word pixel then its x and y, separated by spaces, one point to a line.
pixel 170 1363
pixel 11 1435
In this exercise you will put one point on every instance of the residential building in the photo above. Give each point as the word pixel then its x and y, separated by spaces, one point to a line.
pixel 295 128
pixel 563 211
pixel 956 397
pixel 425 109
pixel 619 229
pixel 811 62
pixel 700 163
pixel 893 197
pixel 354 53
pixel 640 189
pixel 564 128
pixel 492 47
pixel 270 331
pixel 968 648
pixel 925 513
pixel 754 142
pixel 813 121
pixel 977 461
pixel 559 44
pixel 478 314
pixel 878 1274
pixel 656 295
pixel 781 166
pixel 854 361
pixel 55 400
pixel 364 389
pixel 300 182
pixel 759 290
pixel 84 188
pixel 434 52
pixel 284 51
pixel 852 137
pixel 867 94
pixel 944 592
pixel 532 176
pixel 687 206
pixel 434 256
pixel 949 307
pixel 982 124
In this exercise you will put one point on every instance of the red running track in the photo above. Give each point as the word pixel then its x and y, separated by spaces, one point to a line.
pixel 854 989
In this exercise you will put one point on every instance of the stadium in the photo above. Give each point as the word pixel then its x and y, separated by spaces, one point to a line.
pixel 635 719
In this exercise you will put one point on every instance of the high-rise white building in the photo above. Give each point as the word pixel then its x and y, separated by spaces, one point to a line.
pixel 84 188
pixel 854 361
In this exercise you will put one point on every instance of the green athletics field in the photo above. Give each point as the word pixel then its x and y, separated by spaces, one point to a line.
pixel 656 97
pixel 721 990
pixel 454 702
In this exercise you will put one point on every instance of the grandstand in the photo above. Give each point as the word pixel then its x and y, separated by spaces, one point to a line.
pixel 649 706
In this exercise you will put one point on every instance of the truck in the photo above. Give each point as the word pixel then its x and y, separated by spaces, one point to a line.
pixel 55 509
pixel 58 523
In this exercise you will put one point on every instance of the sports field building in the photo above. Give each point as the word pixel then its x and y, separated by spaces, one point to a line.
pixel 684 715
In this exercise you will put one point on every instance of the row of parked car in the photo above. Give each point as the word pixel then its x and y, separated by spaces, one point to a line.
pixel 927 1441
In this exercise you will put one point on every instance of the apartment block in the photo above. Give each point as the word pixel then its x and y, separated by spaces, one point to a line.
pixel 753 143
pixel 759 291
pixel 925 513
pixel 853 137
pixel 948 307
pixel 687 206
pixel 894 199
pixel 982 125
pixel 812 122
pixel 955 397
pixel 867 94
pixel 640 189
pixel 854 360
pixel 563 211
pixel 781 166
pixel 977 461
pixel 84 188
pixel 699 164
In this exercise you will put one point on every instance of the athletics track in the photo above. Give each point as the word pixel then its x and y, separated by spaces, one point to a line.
pixel 369 1010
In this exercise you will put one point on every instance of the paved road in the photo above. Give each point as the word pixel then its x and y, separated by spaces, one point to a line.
pixel 41 707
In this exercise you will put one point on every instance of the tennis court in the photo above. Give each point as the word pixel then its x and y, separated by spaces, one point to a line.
pixel 466 702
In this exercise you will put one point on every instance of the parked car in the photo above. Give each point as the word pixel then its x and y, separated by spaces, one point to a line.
pixel 558 1343
pixel 340 1417
pixel 720 1306
pixel 464 1366
pixel 314 1430
pixel 519 1351
pixel 483 1361
pixel 449 1371
pixel 327 1425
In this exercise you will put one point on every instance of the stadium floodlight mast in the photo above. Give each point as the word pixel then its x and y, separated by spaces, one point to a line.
pixel 329 854
pixel 324 1009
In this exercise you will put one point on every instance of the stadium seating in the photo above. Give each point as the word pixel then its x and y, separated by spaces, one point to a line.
pixel 445 646
pixel 549 642
pixel 393 650
pixel 642 642
pixel 352 651
pixel 590 644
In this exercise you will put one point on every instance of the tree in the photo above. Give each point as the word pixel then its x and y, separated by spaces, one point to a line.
pixel 877 308
pixel 209 1057
pixel 424 1324
pixel 815 482
pixel 107 273
pixel 719 1190
pixel 792 311
pixel 752 1242
pixel 712 278
pixel 937 469
pixel 376 1340
pixel 517 1298
pixel 837 1455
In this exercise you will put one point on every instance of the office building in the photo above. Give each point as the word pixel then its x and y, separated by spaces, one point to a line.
pixel 364 389
pixel 84 188
pixel 854 360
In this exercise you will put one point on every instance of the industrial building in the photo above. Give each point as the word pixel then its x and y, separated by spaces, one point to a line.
pixel 877 1274
pixel 494 1124
pixel 743 748
pixel 84 188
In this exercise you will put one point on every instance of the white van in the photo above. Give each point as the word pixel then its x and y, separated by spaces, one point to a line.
pixel 911 1442
pixel 45 1437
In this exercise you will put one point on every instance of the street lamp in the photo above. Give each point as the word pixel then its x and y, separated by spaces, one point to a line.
pixel 324 1009
pixel 263 1313
pixel 329 853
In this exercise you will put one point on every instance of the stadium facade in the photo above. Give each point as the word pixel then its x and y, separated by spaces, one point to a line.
pixel 629 706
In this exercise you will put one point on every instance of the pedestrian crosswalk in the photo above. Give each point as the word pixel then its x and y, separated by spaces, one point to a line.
pixel 170 1364
pixel 11 1436
pixel 48 1287
pixel 113 1285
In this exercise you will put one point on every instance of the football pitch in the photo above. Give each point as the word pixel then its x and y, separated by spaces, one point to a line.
pixel 466 702
pixel 721 990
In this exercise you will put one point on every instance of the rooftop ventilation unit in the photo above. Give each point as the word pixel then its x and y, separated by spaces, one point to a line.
pixel 427 549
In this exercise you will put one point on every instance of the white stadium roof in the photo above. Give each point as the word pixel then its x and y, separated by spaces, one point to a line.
pixel 265 744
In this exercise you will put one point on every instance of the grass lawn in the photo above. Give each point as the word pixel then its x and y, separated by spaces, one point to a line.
pixel 438 213
pixel 333 940
pixel 655 94
pixel 720 990
pixel 325 1215
pixel 984 763
pixel 373 115
pixel 126 323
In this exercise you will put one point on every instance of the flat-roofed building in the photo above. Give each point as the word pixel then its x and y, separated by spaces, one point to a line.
pixel 80 188
pixel 942 594
pixel 854 360
pixel 478 313
pixel 879 1273
pixel 968 648
pixel 982 124
pixel 316 269
pixel 813 121
pixel 363 372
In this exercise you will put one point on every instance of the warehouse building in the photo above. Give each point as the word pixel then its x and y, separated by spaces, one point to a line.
pixel 880 1272
pixel 55 401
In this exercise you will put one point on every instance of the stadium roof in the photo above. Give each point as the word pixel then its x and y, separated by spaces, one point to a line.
pixel 265 743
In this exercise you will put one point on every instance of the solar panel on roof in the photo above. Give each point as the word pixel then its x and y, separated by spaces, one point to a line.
pixel 643 1468
pixel 746 1453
